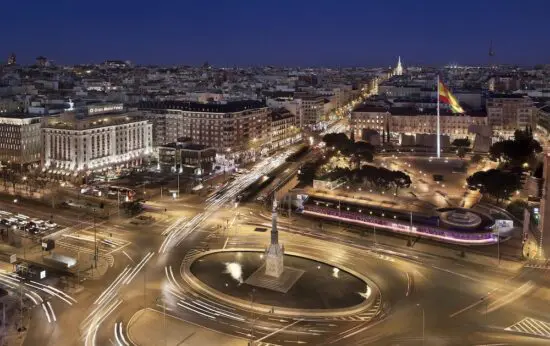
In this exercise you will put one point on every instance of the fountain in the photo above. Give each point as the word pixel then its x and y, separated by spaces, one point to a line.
pixel 273 274
pixel 460 218
pixel 292 283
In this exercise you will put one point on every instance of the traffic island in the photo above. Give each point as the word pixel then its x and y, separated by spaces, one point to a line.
pixel 322 289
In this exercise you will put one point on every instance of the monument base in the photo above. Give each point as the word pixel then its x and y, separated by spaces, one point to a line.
pixel 280 284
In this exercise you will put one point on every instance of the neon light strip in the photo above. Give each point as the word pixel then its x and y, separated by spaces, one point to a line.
pixel 490 239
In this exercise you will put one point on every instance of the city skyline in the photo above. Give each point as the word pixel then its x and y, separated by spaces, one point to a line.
pixel 285 34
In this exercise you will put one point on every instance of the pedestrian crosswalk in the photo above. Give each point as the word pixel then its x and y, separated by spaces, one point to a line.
pixel 538 265
pixel 81 249
pixel 531 326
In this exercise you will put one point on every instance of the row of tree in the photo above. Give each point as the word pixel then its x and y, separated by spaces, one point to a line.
pixel 377 177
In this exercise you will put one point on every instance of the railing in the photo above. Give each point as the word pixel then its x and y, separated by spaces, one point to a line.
pixel 464 238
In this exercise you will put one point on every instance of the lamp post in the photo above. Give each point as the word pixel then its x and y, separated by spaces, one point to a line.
pixel 95 241
pixel 423 323
pixel 498 244
pixel 486 306
pixel 252 316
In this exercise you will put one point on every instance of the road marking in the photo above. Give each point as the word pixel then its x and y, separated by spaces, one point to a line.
pixel 531 326
pixel 124 252
pixel 279 330
pixel 511 297
pixel 408 285
pixel 368 326
pixel 119 248
pixel 466 308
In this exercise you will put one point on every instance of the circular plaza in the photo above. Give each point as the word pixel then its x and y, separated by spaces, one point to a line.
pixel 308 286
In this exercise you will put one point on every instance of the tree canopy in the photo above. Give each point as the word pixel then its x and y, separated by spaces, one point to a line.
pixel 379 177
pixel 495 182
pixel 517 151
pixel 461 142
pixel 357 151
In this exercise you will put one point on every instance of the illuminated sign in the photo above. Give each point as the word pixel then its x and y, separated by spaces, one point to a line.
pixel 105 109
pixel 42 274
pixel 504 225
pixel 48 245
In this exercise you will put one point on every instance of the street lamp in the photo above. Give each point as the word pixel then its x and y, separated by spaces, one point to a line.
pixel 423 323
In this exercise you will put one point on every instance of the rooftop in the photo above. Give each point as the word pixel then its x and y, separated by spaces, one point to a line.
pixel 229 107
pixel 279 114
pixel 19 115
pixel 186 146
pixel 370 109
pixel 506 96
pixel 411 111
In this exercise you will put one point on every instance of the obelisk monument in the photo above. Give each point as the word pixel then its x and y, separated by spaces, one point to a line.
pixel 274 254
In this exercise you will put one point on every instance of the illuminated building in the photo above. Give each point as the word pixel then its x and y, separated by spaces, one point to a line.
pixel 94 142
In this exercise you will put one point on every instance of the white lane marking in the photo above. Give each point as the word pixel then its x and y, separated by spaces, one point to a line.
pixel 531 326
pixel 126 254
pixel 466 308
pixel 279 330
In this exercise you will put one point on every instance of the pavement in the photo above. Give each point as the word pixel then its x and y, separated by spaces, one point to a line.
pixel 149 328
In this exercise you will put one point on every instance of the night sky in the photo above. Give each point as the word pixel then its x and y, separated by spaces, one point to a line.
pixel 290 33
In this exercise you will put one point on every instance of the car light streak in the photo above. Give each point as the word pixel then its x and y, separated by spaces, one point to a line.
pixel 53 313
pixel 46 312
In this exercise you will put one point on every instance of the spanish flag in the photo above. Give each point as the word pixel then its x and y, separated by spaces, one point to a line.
pixel 445 96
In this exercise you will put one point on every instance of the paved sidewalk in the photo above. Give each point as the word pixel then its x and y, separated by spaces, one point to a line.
pixel 146 327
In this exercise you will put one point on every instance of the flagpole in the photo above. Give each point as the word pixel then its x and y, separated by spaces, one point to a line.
pixel 438 129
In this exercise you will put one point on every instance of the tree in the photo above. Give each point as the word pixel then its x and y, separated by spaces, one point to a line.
pixel 461 142
pixel 476 158
pixel 362 151
pixel 133 207
pixel 517 151
pixel 461 152
pixel 400 180
pixel 337 140
pixel 516 208
pixel 497 183
pixel 306 174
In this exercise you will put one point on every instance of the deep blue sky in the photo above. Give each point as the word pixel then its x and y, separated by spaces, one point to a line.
pixel 281 32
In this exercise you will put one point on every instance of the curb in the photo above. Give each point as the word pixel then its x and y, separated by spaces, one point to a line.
pixel 193 281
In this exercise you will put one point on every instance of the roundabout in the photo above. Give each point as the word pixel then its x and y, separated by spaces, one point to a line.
pixel 323 289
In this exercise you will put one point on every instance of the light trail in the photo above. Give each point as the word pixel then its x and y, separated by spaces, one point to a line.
pixel 46 312
pixel 180 230
pixel 136 269
pixel 51 309
pixel 109 300
pixel 122 335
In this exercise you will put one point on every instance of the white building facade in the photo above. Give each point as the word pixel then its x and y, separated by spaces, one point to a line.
pixel 92 143
pixel 412 121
